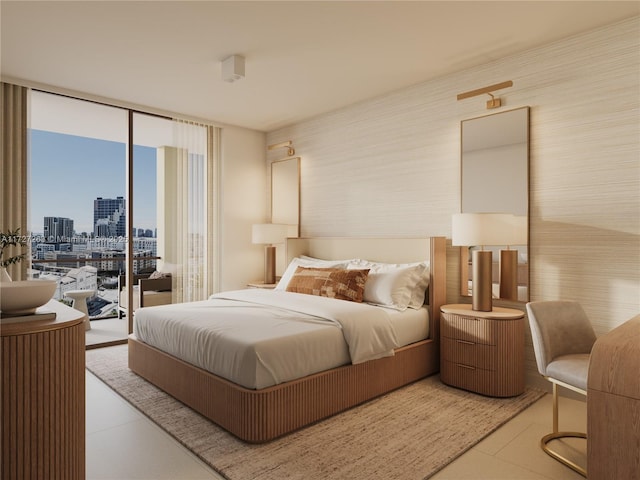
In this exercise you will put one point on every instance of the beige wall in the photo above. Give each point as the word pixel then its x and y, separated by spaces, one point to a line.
pixel 390 166
pixel 242 203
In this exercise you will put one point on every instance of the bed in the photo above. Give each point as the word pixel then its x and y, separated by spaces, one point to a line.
pixel 262 409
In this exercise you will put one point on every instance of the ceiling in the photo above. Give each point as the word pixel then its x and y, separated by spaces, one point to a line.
pixel 303 58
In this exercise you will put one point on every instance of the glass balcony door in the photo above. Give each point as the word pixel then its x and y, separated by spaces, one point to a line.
pixel 77 205
pixel 116 196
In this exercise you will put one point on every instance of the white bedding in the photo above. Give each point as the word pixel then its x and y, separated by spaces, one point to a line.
pixel 259 338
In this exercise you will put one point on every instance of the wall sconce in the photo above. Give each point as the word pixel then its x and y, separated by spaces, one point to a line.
pixel 269 234
pixel 494 102
pixel 480 229
pixel 290 150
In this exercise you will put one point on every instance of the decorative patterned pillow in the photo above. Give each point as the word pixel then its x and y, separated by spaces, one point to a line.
pixel 304 261
pixel 329 282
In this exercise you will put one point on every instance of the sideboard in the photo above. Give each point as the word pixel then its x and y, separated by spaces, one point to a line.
pixel 43 395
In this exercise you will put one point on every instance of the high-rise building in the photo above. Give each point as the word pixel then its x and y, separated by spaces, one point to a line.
pixel 58 229
pixel 41 248
pixel 109 217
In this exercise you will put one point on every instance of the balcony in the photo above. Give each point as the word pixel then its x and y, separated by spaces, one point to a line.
pixel 73 272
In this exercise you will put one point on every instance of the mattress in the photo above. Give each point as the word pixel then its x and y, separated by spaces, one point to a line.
pixel 260 338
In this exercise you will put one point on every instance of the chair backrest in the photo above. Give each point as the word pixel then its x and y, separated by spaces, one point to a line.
pixel 122 279
pixel 558 328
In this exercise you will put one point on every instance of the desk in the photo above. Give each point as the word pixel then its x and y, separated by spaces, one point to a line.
pixel 613 404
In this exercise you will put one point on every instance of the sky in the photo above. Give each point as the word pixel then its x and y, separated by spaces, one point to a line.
pixel 68 172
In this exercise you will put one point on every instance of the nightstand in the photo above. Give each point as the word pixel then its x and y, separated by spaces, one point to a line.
pixel 482 351
pixel 267 286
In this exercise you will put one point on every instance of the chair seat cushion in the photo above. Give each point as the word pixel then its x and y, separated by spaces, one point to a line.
pixel 571 369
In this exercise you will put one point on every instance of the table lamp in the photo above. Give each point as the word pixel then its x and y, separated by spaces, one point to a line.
pixel 269 234
pixel 480 229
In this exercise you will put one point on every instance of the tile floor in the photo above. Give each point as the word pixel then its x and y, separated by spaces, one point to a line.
pixel 106 330
pixel 123 444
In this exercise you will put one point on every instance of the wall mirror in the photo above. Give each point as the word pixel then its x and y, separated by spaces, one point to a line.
pixel 285 191
pixel 494 163
pixel 285 200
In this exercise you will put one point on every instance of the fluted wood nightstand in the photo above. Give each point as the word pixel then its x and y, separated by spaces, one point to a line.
pixel 482 351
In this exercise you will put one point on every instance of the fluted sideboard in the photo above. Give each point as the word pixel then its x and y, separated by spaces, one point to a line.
pixel 43 396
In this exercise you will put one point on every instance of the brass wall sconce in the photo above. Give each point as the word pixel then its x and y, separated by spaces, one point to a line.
pixel 290 150
pixel 494 102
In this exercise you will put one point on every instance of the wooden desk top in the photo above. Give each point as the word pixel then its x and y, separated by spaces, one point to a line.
pixel 615 361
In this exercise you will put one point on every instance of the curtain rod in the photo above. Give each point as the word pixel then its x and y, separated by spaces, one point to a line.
pixel 67 92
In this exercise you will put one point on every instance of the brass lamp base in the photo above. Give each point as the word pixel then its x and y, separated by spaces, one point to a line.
pixel 481 295
pixel 509 274
pixel 269 264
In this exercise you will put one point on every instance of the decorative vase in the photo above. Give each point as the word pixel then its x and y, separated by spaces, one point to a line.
pixel 4 275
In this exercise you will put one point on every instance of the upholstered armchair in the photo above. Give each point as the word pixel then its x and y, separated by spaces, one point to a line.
pixel 562 341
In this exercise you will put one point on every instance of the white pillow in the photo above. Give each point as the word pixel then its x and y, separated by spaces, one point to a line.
pixel 304 261
pixel 397 286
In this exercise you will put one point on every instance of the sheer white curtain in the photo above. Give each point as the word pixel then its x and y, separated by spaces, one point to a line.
pixel 195 190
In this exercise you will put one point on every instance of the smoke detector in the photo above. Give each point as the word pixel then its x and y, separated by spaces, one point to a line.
pixel 233 68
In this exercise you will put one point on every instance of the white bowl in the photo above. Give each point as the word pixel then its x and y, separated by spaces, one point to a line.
pixel 23 297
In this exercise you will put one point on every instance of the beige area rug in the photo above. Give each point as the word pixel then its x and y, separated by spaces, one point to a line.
pixel 407 434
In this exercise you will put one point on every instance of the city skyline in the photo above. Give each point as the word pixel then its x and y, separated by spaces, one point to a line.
pixel 60 229
pixel 68 173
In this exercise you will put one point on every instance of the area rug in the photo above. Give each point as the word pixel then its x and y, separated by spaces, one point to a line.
pixel 410 433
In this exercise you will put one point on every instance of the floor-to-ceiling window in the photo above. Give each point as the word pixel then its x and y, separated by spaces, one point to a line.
pixel 76 203
pixel 114 195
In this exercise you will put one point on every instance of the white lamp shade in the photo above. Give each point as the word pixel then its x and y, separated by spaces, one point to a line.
pixel 476 229
pixel 270 233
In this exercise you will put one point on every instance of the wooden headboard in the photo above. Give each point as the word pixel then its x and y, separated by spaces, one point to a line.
pixel 387 250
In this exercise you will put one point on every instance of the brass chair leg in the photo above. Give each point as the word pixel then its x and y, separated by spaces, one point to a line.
pixel 557 435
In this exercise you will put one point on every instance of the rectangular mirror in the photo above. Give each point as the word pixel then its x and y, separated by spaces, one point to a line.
pixel 494 163
pixel 285 201
pixel 285 191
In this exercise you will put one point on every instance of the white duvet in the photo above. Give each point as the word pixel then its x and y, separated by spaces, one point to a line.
pixel 258 338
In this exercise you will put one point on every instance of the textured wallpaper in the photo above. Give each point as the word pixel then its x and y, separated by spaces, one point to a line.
pixel 390 166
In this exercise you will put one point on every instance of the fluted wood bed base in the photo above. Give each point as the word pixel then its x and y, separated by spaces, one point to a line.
pixel 258 416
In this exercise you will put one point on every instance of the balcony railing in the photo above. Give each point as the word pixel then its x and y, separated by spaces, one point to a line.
pixel 69 275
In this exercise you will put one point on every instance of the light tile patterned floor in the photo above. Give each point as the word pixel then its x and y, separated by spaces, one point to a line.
pixel 123 444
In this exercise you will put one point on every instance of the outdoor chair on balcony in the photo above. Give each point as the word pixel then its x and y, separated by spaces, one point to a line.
pixel 148 290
